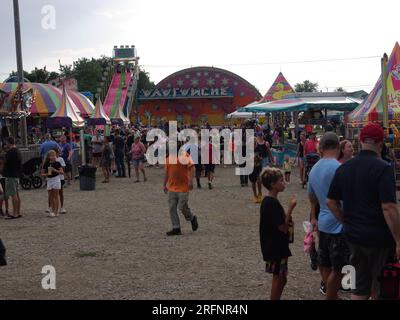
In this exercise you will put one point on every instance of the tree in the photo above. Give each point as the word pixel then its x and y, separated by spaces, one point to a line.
pixel 39 75
pixel 340 89
pixel 306 86
pixel 66 71
pixel 88 73
pixel 144 82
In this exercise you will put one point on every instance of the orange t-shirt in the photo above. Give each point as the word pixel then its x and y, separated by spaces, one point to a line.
pixel 178 174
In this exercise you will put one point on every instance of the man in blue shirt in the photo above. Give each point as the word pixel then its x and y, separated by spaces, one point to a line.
pixel 332 250
pixel 48 145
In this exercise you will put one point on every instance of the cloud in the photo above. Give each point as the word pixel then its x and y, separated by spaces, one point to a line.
pixel 113 14
pixel 72 52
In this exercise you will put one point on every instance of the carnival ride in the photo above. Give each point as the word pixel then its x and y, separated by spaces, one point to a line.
pixel 121 87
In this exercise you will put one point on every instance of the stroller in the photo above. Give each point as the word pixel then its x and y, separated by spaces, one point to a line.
pixel 311 160
pixel 31 174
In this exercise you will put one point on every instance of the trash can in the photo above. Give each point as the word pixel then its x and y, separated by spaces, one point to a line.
pixel 87 178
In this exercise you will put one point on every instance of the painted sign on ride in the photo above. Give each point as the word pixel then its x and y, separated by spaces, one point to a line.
pixel 182 93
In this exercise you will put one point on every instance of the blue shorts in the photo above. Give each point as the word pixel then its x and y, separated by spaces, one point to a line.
pixel 136 163
pixel 265 162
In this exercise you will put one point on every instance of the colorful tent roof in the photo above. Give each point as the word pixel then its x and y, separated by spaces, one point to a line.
pixel 48 99
pixel 329 101
pixel 17 103
pixel 119 117
pixel 99 117
pixel 65 116
pixel 371 110
pixel 278 90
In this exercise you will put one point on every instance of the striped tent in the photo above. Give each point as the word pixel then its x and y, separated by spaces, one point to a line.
pixel 66 115
pixel 99 117
pixel 371 110
pixel 48 99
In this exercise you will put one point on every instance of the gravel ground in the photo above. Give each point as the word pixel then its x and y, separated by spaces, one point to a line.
pixel 112 245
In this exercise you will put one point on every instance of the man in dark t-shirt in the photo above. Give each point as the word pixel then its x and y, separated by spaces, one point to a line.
pixel 12 173
pixel 119 151
pixel 371 223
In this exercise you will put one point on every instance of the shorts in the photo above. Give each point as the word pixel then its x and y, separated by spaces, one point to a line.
pixel 333 251
pixel 54 183
pixel 137 163
pixel 199 168
pixel 277 267
pixel 209 168
pixel 255 175
pixel 68 167
pixel 96 154
pixel 368 263
pixel 265 162
pixel 12 186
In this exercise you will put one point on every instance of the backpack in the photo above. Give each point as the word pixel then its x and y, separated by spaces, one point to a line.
pixel 390 281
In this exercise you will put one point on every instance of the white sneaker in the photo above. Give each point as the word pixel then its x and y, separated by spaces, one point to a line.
pixel 51 215
pixel 48 210
pixel 63 211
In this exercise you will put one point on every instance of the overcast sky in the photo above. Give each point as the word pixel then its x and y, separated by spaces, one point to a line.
pixel 255 39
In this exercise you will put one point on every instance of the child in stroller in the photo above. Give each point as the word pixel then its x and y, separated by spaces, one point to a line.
pixel 31 177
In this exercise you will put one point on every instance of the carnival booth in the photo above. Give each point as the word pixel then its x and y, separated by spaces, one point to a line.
pixel 372 110
pixel 311 104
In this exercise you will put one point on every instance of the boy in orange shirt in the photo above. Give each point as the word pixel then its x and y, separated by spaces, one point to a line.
pixel 178 181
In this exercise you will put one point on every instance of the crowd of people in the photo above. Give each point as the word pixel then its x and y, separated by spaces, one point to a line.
pixel 353 209
pixel 352 197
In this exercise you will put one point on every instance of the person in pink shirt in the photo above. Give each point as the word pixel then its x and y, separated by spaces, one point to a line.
pixel 137 152
pixel 311 145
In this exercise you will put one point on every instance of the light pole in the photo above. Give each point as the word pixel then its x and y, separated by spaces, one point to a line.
pixel 20 70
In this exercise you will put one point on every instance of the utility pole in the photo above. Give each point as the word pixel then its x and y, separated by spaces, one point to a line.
pixel 385 106
pixel 24 134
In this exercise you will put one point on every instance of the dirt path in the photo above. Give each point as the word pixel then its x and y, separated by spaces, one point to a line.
pixel 112 245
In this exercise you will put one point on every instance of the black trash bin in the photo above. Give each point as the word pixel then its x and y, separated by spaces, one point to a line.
pixel 87 178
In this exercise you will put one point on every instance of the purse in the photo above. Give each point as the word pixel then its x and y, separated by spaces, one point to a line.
pixel 3 261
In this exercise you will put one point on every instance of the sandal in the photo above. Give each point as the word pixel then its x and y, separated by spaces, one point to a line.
pixel 136 181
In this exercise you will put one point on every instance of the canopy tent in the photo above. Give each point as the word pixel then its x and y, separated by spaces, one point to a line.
pixel 65 116
pixel 99 117
pixel 244 115
pixel 48 99
pixel 333 101
pixel 371 110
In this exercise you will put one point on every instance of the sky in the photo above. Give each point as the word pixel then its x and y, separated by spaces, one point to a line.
pixel 254 39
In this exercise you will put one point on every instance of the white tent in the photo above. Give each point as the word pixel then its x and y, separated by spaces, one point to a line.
pixel 244 115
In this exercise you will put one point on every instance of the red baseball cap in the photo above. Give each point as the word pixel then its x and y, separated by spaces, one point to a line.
pixel 372 132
